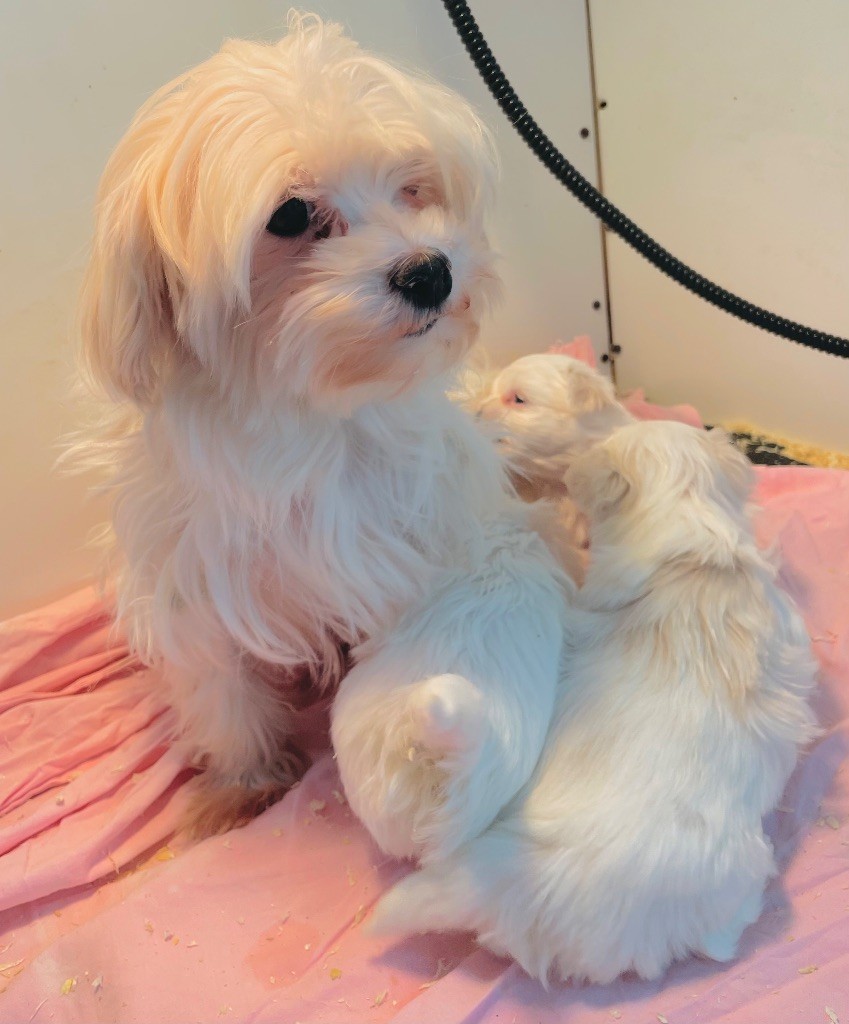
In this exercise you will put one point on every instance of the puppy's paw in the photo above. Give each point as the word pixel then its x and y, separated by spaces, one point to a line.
pixel 721 945
pixel 446 713
pixel 218 805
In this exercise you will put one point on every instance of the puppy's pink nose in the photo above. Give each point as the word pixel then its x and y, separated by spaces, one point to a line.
pixel 423 280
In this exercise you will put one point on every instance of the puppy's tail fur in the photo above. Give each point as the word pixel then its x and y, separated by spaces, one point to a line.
pixel 434 899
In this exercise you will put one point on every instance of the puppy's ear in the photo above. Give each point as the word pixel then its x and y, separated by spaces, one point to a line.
pixel 597 483
pixel 737 474
pixel 591 393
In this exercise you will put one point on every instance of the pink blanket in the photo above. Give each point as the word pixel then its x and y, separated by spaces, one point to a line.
pixel 106 916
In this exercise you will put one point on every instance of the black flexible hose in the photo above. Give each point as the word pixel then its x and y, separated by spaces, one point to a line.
pixel 578 185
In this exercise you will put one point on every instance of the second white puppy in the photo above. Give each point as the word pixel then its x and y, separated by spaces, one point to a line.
pixel 683 705
pixel 544 411
pixel 549 408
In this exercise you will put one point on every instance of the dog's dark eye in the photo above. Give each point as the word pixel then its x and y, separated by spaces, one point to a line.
pixel 517 399
pixel 290 219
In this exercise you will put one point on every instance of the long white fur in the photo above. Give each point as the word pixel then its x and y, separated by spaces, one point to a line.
pixel 288 475
pixel 682 707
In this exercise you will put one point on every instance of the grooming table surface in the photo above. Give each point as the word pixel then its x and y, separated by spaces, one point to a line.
pixel 105 916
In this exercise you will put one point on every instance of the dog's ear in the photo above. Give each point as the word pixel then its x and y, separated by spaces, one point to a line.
pixel 136 272
pixel 126 320
pixel 465 150
pixel 597 482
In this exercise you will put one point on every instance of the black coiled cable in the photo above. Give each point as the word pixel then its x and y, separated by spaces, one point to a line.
pixel 578 185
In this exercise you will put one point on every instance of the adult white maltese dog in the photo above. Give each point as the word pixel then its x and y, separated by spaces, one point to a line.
pixel 682 708
pixel 290 258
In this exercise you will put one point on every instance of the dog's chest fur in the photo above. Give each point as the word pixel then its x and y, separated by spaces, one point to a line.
pixel 301 528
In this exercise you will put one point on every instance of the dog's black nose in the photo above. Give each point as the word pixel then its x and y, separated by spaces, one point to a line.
pixel 424 280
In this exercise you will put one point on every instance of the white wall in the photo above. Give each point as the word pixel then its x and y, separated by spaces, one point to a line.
pixel 71 76
pixel 726 137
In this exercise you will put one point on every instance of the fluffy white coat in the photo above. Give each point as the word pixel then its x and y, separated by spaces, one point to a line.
pixel 289 478
pixel 682 707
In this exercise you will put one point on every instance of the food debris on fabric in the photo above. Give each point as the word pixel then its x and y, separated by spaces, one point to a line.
pixel 148 926
pixel 34 1013
pixel 164 853
pixel 442 968
pixel 191 945
pixel 335 974
pixel 277 831
pixel 339 797
pixel 350 875
pixel 360 914
pixel 60 800
pixel 97 983
pixel 317 806
pixel 615 1014
pixel 68 986
pixel 809 969
pixel 380 997
pixel 832 1016
pixel 662 1019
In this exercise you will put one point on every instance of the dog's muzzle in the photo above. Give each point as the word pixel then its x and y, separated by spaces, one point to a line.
pixel 423 280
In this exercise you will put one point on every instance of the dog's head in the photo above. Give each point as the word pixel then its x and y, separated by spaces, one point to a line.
pixel 545 410
pixel 298 222
pixel 682 488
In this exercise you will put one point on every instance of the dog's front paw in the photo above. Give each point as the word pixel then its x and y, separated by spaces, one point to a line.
pixel 218 804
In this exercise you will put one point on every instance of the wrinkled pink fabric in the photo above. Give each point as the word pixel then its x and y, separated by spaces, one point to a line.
pixel 106 916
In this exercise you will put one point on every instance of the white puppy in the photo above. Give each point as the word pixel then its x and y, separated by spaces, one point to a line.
pixel 543 411
pixel 547 409
pixel 682 708
pixel 290 259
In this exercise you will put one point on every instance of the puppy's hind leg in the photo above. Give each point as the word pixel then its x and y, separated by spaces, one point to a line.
pixel 721 945
pixel 438 727
pixel 446 714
